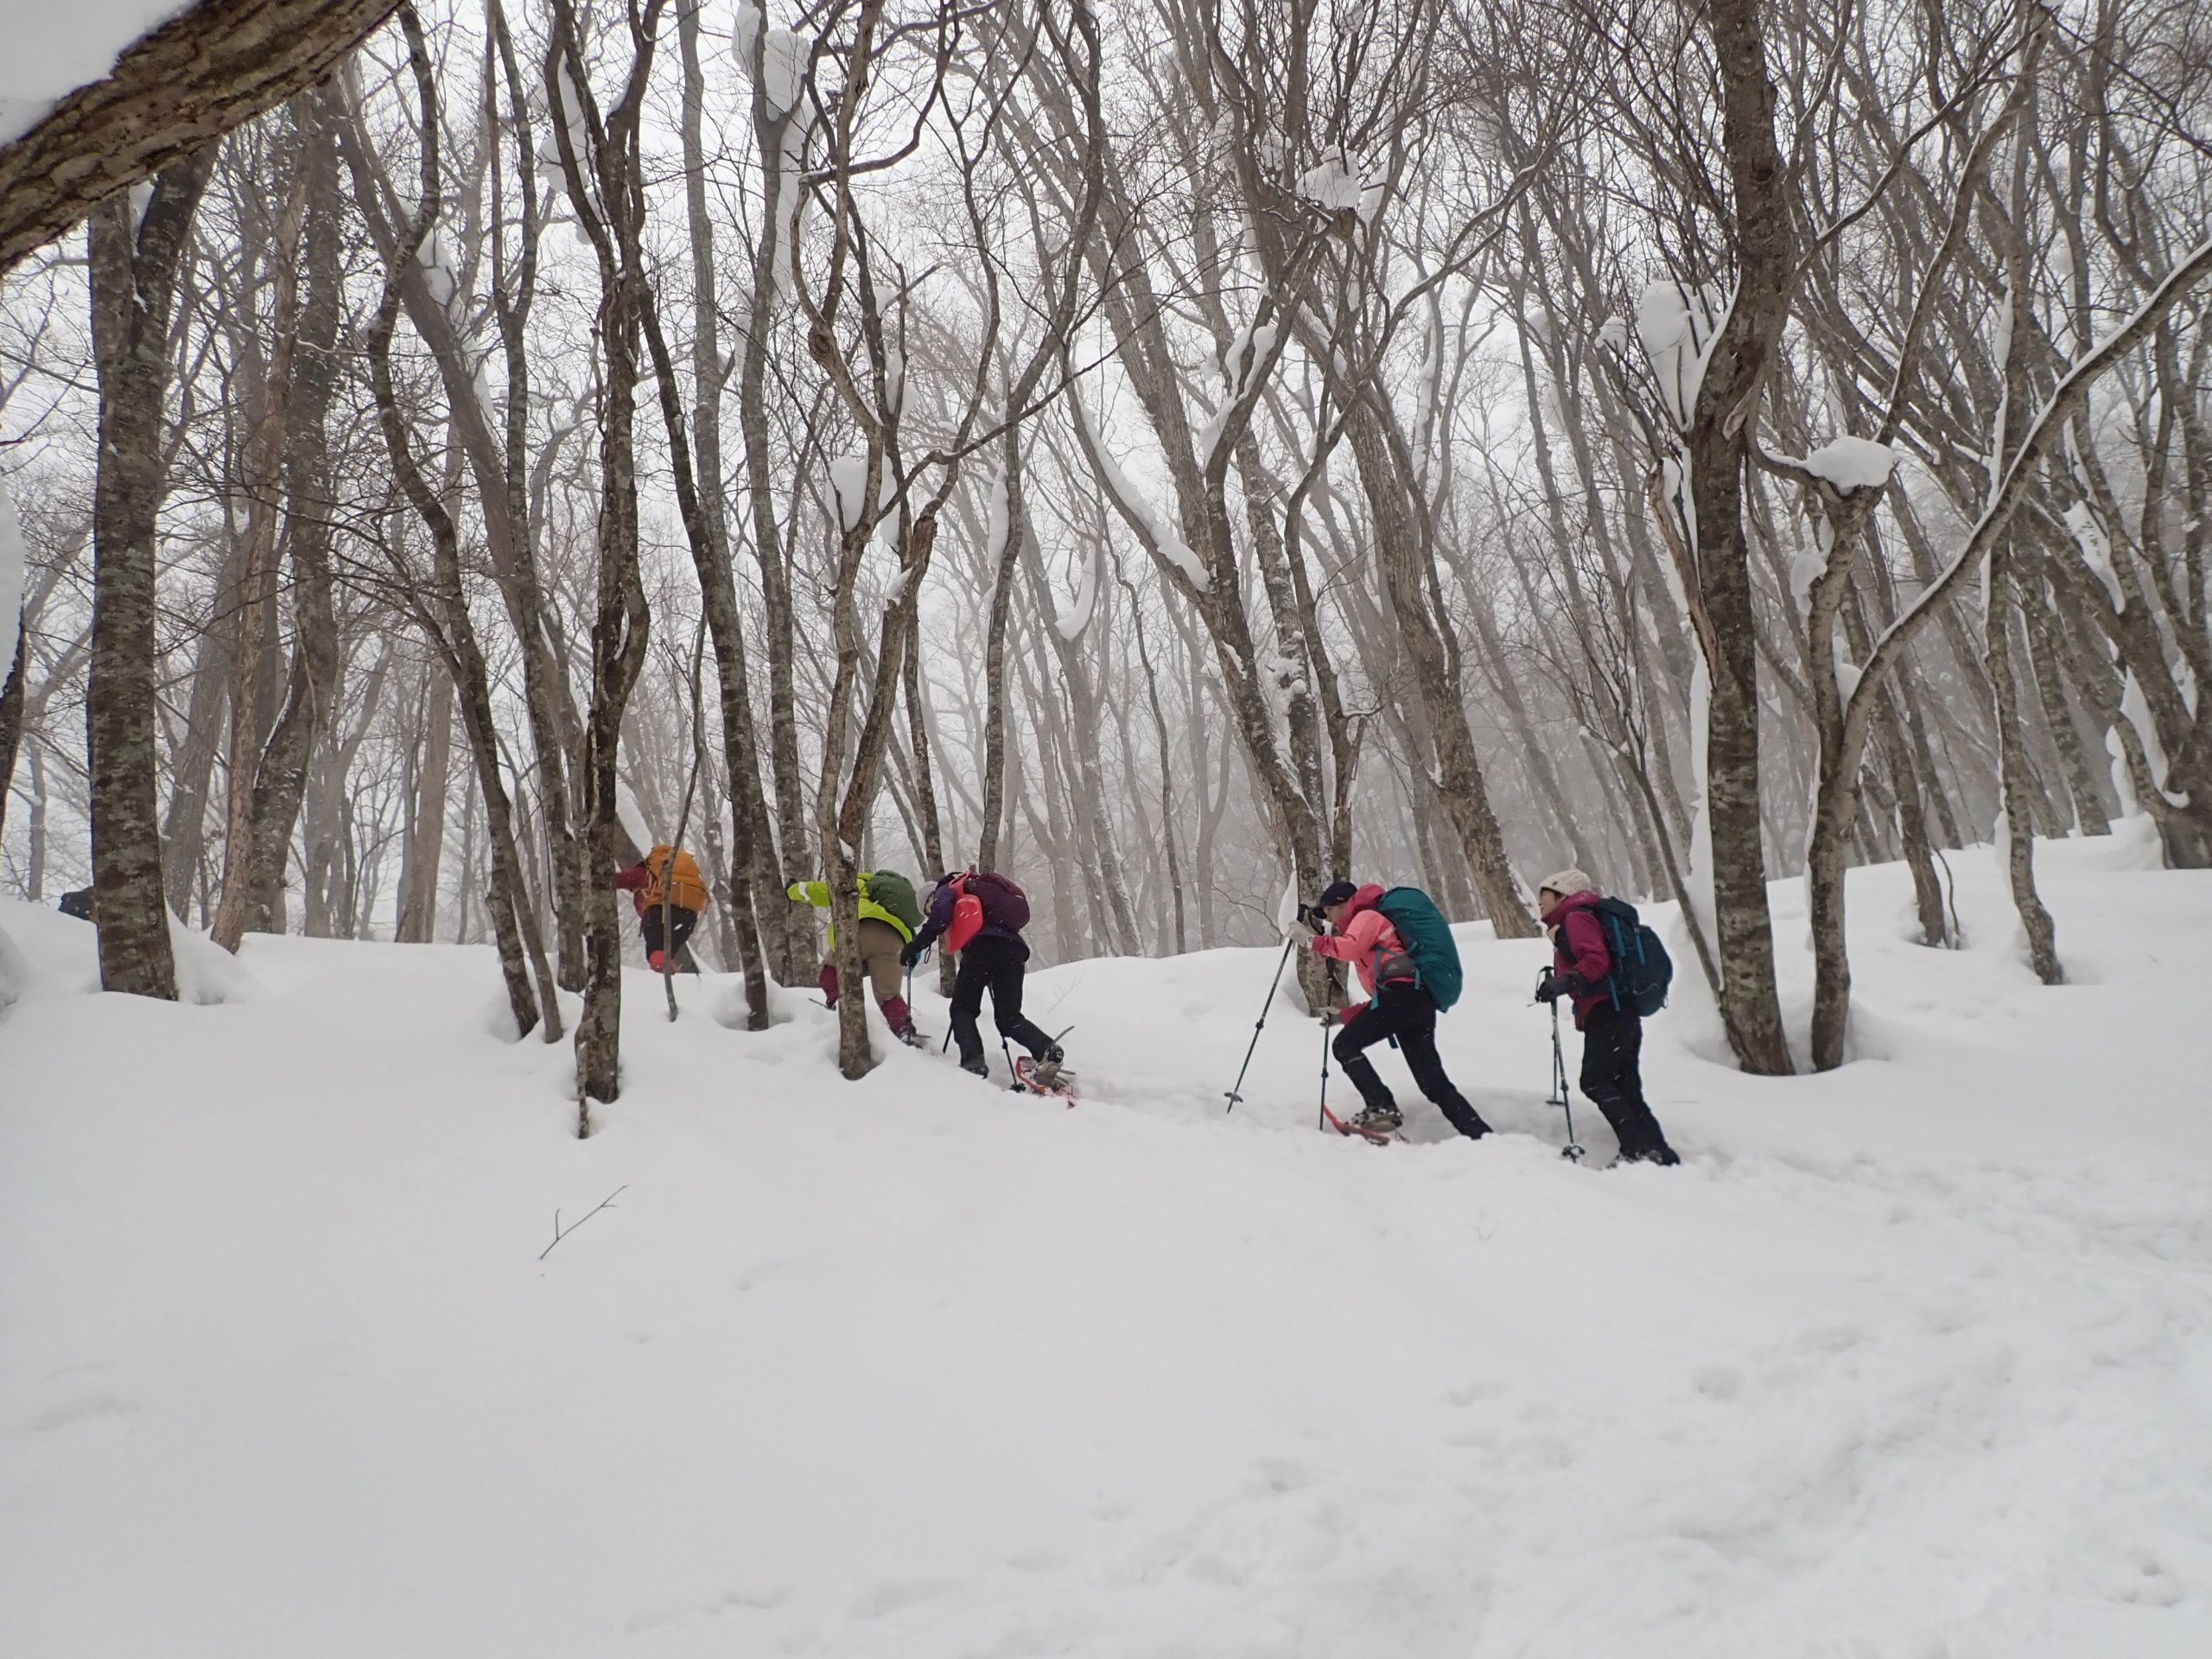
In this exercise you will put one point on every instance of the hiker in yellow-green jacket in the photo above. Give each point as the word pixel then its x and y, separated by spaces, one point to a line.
pixel 889 914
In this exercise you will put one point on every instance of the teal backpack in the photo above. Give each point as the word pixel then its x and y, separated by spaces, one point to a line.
pixel 1428 939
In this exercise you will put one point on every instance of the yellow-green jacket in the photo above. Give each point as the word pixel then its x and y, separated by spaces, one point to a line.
pixel 817 894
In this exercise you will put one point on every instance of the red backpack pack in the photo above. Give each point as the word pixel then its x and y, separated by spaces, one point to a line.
pixel 985 897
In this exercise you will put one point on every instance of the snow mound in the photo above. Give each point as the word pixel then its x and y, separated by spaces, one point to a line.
pixel 207 975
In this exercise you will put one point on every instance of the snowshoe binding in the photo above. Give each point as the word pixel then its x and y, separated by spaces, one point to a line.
pixel 1377 1125
pixel 1046 1073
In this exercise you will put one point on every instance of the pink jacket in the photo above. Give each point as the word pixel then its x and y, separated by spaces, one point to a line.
pixel 1579 943
pixel 1368 942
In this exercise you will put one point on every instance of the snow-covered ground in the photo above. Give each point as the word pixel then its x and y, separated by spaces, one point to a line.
pixel 1915 1359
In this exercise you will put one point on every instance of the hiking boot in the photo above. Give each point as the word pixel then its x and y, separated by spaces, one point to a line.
pixel 912 1038
pixel 1662 1154
pixel 1049 1063
pixel 1379 1119
pixel 976 1068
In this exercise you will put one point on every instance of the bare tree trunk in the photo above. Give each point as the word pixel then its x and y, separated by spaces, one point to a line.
pixel 11 720
pixel 790 940
pixel 607 190
pixel 265 451
pixel 2017 843
pixel 280 782
pixel 753 885
pixel 445 611
pixel 425 848
pixel 1716 441
pixel 1166 762
pixel 192 754
pixel 136 263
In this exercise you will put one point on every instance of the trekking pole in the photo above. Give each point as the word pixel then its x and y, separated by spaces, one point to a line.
pixel 1573 1151
pixel 1281 962
pixel 1327 1020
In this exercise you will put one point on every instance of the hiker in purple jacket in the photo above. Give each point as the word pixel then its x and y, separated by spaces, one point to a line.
pixel 980 914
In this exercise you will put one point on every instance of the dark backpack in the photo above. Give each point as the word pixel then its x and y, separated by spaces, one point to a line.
pixel 1427 939
pixel 1004 904
pixel 1642 969
pixel 895 894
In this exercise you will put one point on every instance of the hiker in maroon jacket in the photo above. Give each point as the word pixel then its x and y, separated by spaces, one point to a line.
pixel 980 914
pixel 1612 1031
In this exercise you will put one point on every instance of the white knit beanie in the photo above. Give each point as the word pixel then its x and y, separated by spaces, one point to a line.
pixel 1566 883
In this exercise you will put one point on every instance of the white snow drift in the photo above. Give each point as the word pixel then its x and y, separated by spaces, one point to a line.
pixel 1908 1359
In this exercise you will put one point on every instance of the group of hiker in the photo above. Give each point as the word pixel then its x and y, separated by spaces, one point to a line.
pixel 979 915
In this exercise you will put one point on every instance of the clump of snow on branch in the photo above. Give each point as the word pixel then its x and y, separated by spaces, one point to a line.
pixel 998 517
pixel 1852 463
pixel 1137 505
pixel 1072 625
pixel 1337 187
pixel 438 273
pixel 1678 329
pixel 744 33
pixel 777 56
pixel 783 69
pixel 1240 369
pixel 849 483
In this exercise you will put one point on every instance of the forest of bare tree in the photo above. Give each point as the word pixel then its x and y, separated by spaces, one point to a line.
pixel 1175 453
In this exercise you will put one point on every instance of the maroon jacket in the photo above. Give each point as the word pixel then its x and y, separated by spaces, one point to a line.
pixel 1579 945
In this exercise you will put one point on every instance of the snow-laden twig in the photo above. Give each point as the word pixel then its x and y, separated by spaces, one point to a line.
pixel 560 1232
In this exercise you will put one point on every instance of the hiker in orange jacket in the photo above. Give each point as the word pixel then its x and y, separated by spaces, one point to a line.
pixel 658 888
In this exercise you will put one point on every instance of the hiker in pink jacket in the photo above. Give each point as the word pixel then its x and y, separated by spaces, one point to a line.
pixel 1399 1008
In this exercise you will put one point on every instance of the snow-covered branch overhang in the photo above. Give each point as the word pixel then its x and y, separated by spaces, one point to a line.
pixel 177 77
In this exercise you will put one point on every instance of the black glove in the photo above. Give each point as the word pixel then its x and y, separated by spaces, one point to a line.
pixel 911 955
pixel 1569 984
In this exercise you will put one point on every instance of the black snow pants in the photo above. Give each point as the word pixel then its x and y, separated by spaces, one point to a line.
pixel 680 924
pixel 997 965
pixel 1612 1038
pixel 1409 1013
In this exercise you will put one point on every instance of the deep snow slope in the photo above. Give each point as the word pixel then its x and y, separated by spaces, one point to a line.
pixel 1915 1359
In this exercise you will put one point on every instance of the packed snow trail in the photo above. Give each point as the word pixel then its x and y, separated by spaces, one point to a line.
pixel 1914 1359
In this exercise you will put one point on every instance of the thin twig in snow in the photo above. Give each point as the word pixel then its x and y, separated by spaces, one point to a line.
pixel 560 1232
